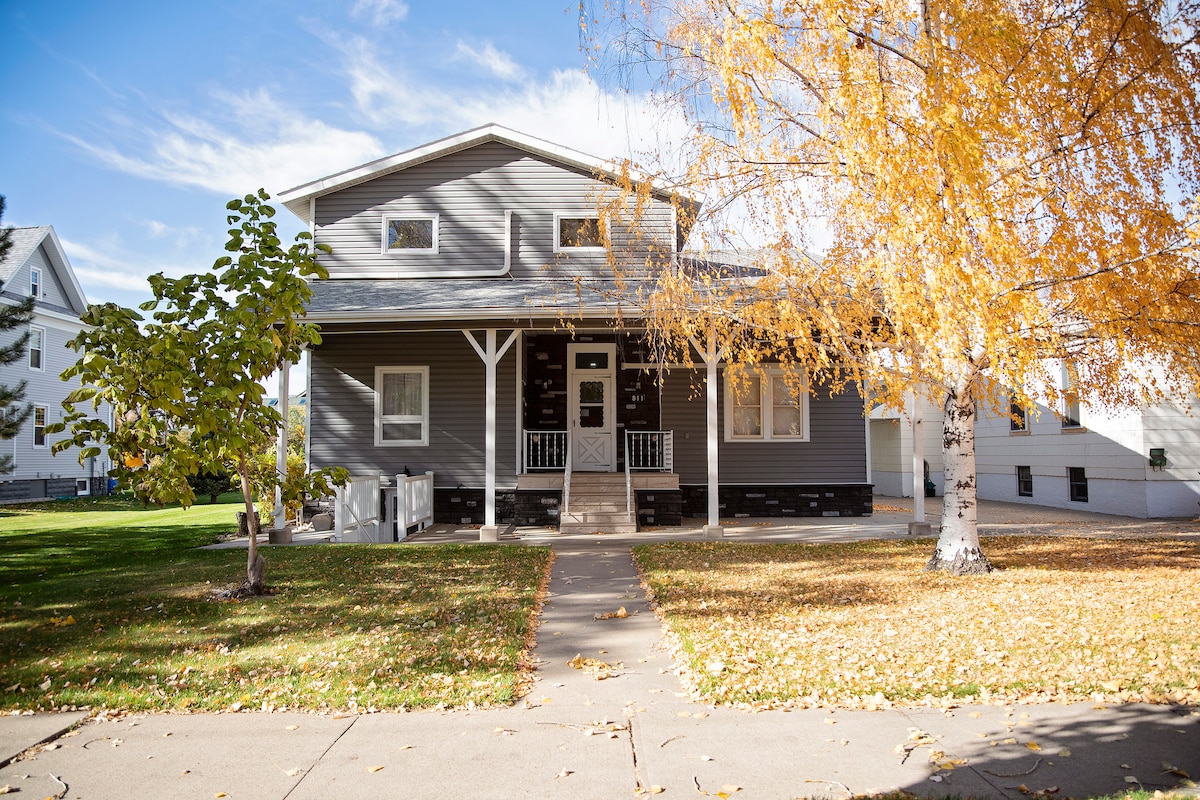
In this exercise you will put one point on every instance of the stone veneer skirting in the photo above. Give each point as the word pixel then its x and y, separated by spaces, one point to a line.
pixel 808 500
pixel 663 506
pixel 12 491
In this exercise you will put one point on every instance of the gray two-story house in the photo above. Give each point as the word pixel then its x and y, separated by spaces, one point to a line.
pixel 37 267
pixel 466 333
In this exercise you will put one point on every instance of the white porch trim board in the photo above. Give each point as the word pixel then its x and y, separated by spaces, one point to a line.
pixel 711 356
pixel 490 356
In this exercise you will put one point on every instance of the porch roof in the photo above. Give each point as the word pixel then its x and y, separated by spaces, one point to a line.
pixel 465 299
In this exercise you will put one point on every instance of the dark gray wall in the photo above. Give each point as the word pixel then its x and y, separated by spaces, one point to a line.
pixel 836 452
pixel 341 407
pixel 470 191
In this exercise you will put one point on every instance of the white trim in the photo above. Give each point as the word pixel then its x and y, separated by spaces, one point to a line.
pixel 37 290
pixel 404 251
pixel 45 421
pixel 409 419
pixel 508 215
pixel 41 349
pixel 767 376
pixel 559 216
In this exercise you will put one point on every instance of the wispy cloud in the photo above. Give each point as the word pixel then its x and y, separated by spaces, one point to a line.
pixel 380 12
pixel 497 62
pixel 260 143
pixel 108 265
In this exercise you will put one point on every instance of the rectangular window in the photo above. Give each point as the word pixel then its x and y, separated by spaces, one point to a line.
pixel 1070 401
pixel 410 234
pixel 39 426
pixel 37 344
pixel 1078 481
pixel 35 282
pixel 766 407
pixel 401 406
pixel 82 487
pixel 577 233
pixel 1018 416
pixel 1024 482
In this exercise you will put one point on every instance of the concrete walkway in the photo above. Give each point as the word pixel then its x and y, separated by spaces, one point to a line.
pixel 614 727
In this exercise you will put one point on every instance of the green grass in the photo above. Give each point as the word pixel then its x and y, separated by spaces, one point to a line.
pixel 104 604
pixel 863 625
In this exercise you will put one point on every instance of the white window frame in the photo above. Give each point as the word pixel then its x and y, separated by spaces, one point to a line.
pixel 45 414
pixel 768 376
pixel 401 419
pixel 559 216
pixel 36 288
pixel 40 332
pixel 1070 401
pixel 83 487
pixel 398 251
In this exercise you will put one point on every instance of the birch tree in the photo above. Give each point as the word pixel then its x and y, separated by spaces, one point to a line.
pixel 1000 183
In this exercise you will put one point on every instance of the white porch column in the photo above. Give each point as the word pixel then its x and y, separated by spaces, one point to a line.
pixel 918 526
pixel 712 357
pixel 281 445
pixel 490 532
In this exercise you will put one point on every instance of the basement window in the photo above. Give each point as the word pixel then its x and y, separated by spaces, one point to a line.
pixel 1077 478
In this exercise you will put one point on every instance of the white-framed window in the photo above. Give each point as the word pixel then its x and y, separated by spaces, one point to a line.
pixel 1072 414
pixel 765 407
pixel 83 487
pixel 401 406
pixel 39 426
pixel 37 348
pixel 1018 416
pixel 410 233
pixel 35 282
pixel 577 233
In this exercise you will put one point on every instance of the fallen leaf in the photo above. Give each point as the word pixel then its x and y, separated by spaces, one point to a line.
pixel 1131 779
pixel 292 728
pixel 564 772
pixel 294 771
pixel 406 747
pixel 1064 753
pixel 1173 770
pixel 655 789
pixel 375 768
pixel 220 794
pixel 1033 746
pixel 6 789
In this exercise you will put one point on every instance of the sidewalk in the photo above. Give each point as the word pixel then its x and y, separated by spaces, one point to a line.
pixel 578 737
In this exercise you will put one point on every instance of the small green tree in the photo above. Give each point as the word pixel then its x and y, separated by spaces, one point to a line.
pixel 13 412
pixel 186 388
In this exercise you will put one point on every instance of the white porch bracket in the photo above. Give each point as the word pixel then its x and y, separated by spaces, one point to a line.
pixel 490 356
pixel 711 356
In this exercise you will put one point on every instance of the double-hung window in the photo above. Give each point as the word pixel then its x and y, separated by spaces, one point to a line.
pixel 1071 414
pixel 1018 416
pixel 1077 484
pixel 1024 482
pixel 35 283
pixel 765 406
pixel 39 426
pixel 401 406
pixel 37 348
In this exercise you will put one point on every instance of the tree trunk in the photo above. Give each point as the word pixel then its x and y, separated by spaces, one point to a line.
pixel 957 548
pixel 255 563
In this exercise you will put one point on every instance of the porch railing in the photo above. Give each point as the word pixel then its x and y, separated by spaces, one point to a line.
pixel 414 495
pixel 652 451
pixel 356 510
pixel 545 450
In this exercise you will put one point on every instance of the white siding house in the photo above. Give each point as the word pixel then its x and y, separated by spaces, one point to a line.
pixel 37 266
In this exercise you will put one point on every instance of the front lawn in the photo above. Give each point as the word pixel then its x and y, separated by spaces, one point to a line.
pixel 861 625
pixel 107 605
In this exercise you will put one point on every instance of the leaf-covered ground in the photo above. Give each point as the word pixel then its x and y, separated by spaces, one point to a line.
pixel 861 625
pixel 106 605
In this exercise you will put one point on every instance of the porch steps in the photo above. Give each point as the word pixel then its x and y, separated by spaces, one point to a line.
pixel 597 504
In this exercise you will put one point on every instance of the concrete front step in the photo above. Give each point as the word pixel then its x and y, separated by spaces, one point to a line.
pixel 597 527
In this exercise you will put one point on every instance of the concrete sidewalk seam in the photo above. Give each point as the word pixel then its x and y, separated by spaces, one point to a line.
pixel 53 736
pixel 321 757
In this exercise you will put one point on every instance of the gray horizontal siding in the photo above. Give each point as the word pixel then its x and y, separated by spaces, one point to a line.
pixel 836 452
pixel 341 407
pixel 470 192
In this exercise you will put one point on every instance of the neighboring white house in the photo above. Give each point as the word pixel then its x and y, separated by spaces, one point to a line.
pixel 1133 462
pixel 37 266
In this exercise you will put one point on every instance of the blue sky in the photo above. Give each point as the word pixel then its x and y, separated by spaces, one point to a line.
pixel 128 125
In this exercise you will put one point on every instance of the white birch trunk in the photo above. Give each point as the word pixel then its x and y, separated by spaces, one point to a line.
pixel 958 548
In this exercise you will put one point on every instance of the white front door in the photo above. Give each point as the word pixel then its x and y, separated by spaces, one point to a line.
pixel 592 407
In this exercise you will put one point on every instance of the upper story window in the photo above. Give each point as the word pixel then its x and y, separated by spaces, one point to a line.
pixel 414 233
pixel 1071 413
pixel 35 282
pixel 577 233
pixel 1018 416
pixel 39 426
pixel 37 344
pixel 401 406
pixel 766 407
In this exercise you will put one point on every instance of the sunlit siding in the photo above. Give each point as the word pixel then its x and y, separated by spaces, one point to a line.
pixel 470 192
pixel 341 407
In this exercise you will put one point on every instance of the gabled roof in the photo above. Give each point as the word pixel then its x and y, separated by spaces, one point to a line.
pixel 298 199
pixel 25 242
